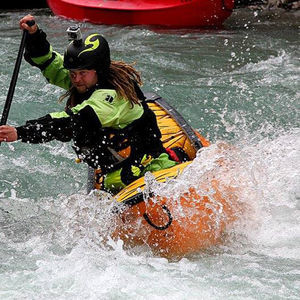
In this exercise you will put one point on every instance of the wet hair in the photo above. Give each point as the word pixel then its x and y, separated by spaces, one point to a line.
pixel 122 77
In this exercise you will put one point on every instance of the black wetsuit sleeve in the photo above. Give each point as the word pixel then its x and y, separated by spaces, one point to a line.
pixel 37 45
pixel 45 129
pixel 82 127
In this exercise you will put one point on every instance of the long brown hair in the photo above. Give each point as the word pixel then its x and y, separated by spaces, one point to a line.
pixel 122 77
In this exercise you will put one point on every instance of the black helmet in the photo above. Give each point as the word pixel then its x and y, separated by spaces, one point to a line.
pixel 92 53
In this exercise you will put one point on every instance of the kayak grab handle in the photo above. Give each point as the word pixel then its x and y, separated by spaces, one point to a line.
pixel 146 217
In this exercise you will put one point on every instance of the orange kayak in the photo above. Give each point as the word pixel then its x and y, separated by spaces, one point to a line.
pixel 172 227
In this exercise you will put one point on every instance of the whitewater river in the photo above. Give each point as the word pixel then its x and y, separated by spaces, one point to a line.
pixel 238 85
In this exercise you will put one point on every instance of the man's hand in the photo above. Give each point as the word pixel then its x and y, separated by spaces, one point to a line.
pixel 8 133
pixel 31 29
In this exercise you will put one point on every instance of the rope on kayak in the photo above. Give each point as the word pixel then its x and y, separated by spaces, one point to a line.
pixel 146 217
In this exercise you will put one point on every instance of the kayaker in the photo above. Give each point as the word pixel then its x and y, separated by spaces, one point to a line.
pixel 105 109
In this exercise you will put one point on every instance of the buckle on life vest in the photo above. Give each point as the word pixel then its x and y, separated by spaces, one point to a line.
pixel 78 160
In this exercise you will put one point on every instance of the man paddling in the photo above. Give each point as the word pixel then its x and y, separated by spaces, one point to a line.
pixel 105 109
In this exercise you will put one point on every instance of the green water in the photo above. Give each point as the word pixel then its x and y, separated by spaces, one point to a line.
pixel 239 84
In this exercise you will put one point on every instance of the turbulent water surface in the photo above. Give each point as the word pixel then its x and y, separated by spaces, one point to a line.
pixel 237 85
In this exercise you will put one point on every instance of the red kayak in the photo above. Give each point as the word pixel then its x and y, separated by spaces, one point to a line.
pixel 171 13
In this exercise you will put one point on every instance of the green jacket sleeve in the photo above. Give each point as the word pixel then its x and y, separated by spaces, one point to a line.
pixel 39 53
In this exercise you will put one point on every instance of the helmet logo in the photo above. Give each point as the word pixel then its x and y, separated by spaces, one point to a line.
pixel 87 42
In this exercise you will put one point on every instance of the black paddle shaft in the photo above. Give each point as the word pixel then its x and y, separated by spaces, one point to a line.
pixel 15 76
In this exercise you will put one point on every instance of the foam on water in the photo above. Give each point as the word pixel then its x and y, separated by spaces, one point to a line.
pixel 67 253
